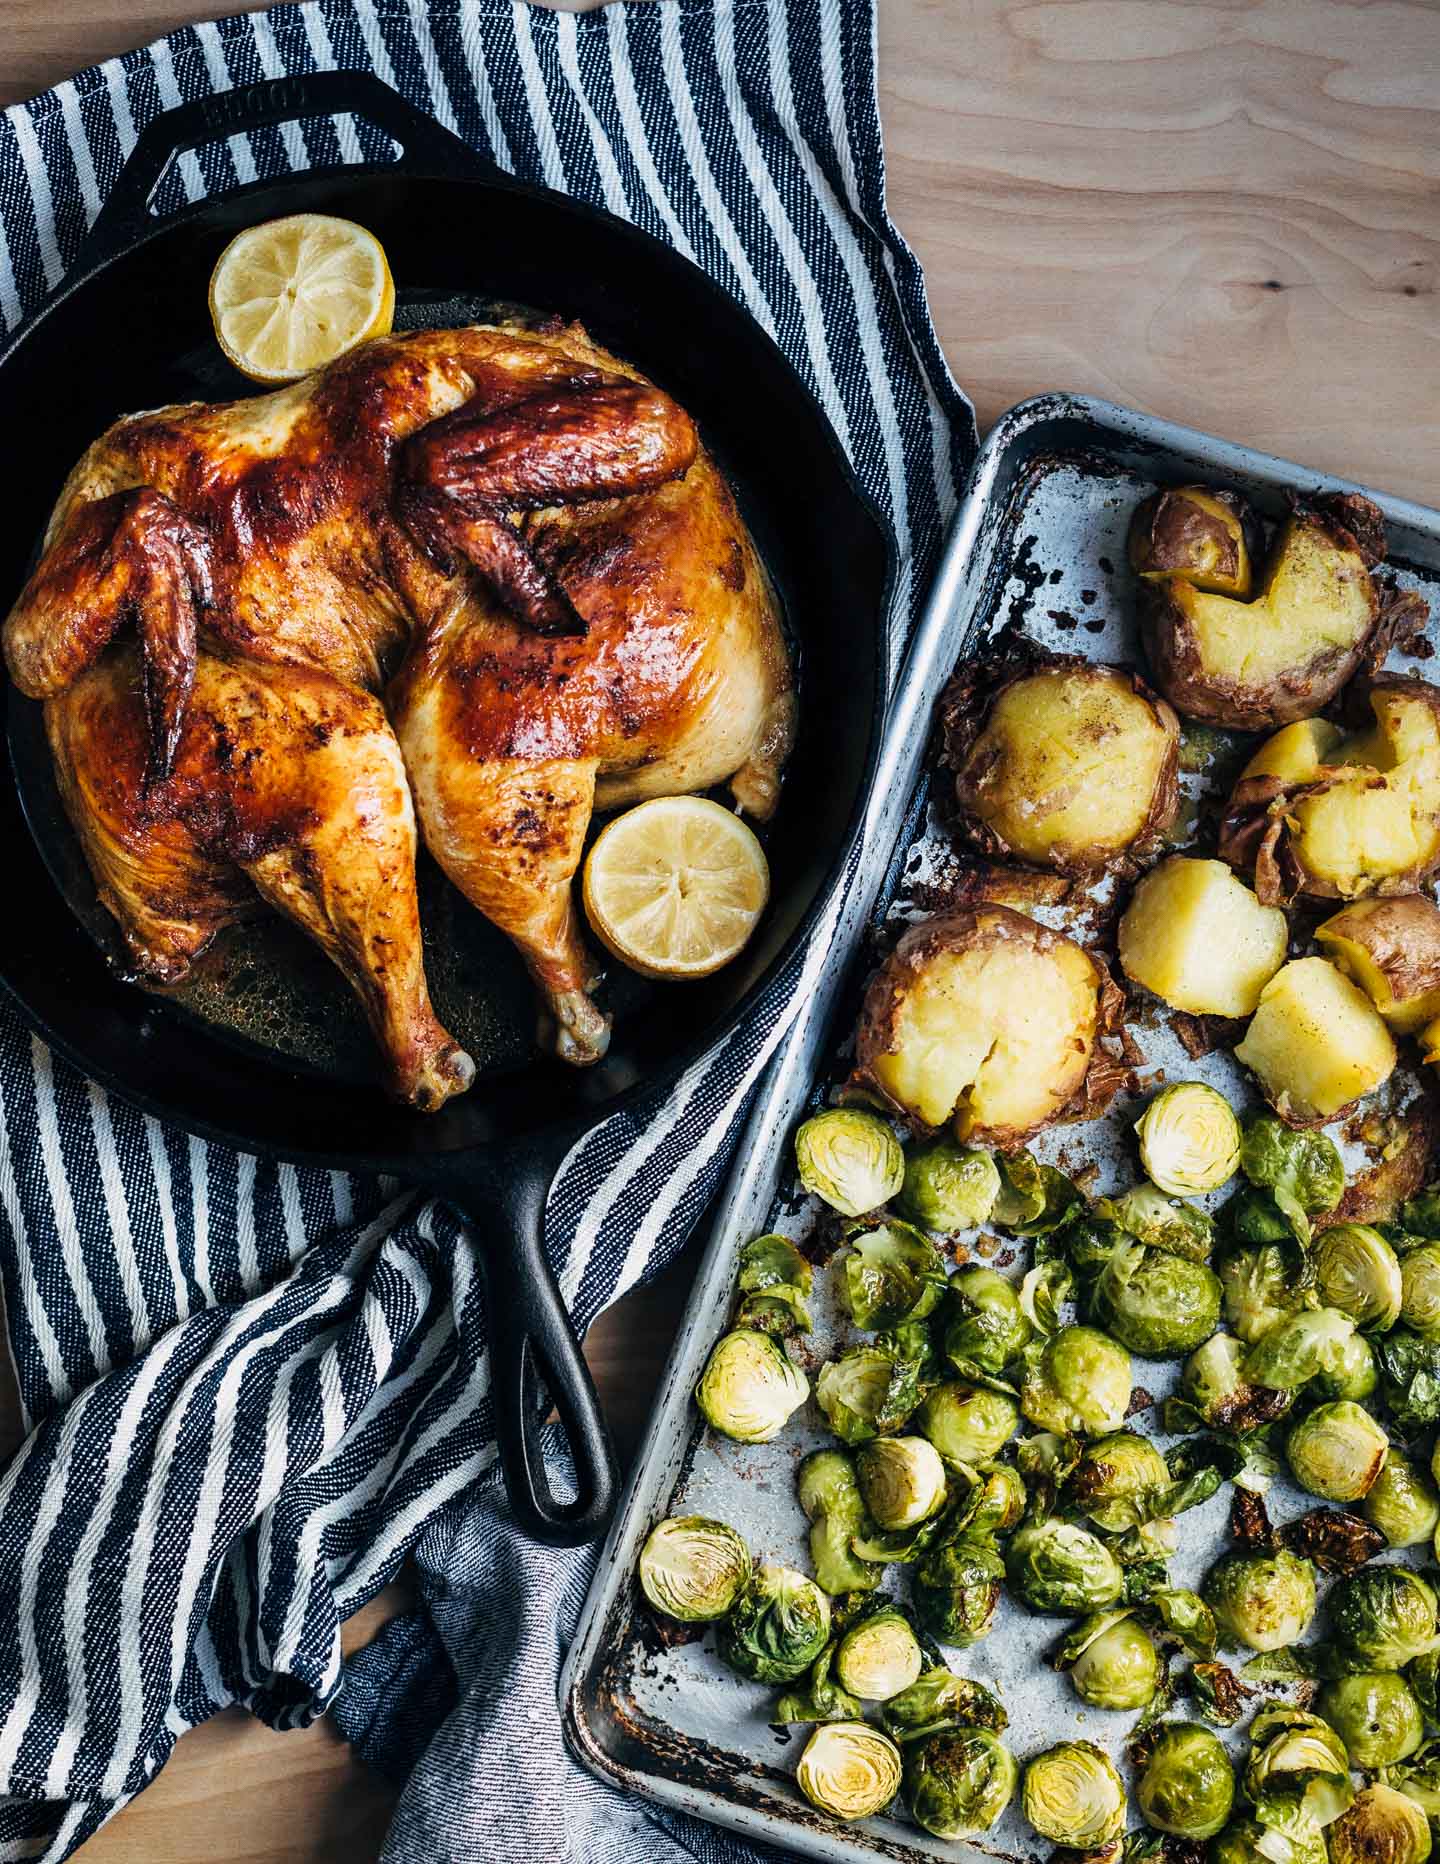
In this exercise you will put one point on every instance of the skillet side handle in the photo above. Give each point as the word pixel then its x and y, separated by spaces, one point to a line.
pixel 427 147
pixel 533 1349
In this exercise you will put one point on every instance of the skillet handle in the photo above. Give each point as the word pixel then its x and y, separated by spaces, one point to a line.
pixel 533 1349
pixel 427 147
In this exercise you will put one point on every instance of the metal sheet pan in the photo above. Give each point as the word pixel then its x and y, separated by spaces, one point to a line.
pixel 1038 546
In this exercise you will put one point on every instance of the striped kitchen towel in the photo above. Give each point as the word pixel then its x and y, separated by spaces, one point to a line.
pixel 249 1388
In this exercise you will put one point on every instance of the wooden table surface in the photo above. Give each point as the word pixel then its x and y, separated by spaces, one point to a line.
pixel 1223 211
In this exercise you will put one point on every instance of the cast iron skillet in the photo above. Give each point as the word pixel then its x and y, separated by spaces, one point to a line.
pixel 130 329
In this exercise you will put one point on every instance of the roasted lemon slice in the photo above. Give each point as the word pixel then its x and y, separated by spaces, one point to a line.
pixel 673 887
pixel 291 295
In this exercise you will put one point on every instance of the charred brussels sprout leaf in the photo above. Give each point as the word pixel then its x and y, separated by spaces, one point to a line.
pixel 819 1699
pixel 1157 1304
pixel 891 1274
pixel 948 1186
pixel 750 1387
pixel 986 1326
pixel 774 1283
pixel 850 1159
pixel 939 1699
pixel 1403 1503
pixel 1336 1451
pixel 849 1770
pixel 1376 1715
pixel 1384 1616
pixel 693 1568
pixel 959 1781
pixel 1222 1697
pixel 1262 1601
pixel 1034 1198
pixel 879 1655
pixel 1077 1381
pixel 1057 1566
pixel 957 1590
pixel 1073 1796
pixel 969 1423
pixel 830 1497
pixel 777 1628
pixel 902 1481
pixel 1303 1168
pixel 1410 1374
pixel 1189 1139
pixel 1187 1785
pixel 1358 1272
pixel 1381 1827
pixel 1336 1540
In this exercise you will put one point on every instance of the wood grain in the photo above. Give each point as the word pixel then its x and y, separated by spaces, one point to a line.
pixel 1224 211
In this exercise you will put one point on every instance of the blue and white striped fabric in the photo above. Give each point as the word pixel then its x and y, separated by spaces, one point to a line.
pixel 249 1388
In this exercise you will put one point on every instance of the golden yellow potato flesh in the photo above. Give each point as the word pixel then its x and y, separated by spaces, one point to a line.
pixel 1194 533
pixel 1196 935
pixel 1316 1043
pixel 1391 949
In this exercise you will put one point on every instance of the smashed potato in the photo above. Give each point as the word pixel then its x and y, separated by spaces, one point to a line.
pixel 1228 658
pixel 1316 1043
pixel 1059 761
pixel 983 1018
pixel 1321 813
pixel 1197 936
pixel 1391 949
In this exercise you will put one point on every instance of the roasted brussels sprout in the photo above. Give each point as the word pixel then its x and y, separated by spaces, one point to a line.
pixel 1376 1715
pixel 892 1274
pixel 1252 657
pixel 939 1699
pixel 984 1017
pixel 1057 1566
pixel 968 1423
pixel 1402 1502
pixel 774 1283
pixel 987 1327
pixel 1410 1371
pixel 1112 1661
pixel 750 1386
pixel 1381 1827
pixel 777 1627
pixel 1263 1285
pixel 1196 936
pixel 1150 1216
pixel 1357 1271
pixel 1078 1380
pixel 1063 763
pixel 867 1392
pixel 1383 1616
pixel 1419 1780
pixel 693 1568
pixel 1352 1373
pixel 956 1591
pixel 1423 1675
pixel 1001 1501
pixel 1034 1199
pixel 817 1697
pixel 1263 1601
pixel 879 1656
pixel 1391 949
pixel 1241 1842
pixel 959 1781
pixel 1304 1170
pixel 1158 1304
pixel 1214 1386
pixel 1336 1451
pixel 1334 817
pixel 902 1481
pixel 1187 1785
pixel 1420 1289
pixel 1111 1473
pixel 1189 1139
pixel 1297 1348
pixel 948 1186
pixel 850 1159
pixel 1315 1044
pixel 830 1497
pixel 849 1770
pixel 1298 1774
pixel 1073 1796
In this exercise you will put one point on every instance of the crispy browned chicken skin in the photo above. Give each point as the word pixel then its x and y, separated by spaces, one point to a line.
pixel 522 526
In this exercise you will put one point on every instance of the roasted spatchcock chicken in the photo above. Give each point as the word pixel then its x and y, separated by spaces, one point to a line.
pixel 491 570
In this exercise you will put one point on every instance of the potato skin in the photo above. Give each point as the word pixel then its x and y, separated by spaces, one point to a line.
pixel 967 706
pixel 973 929
pixel 1172 532
pixel 1400 936
pixel 1255 834
pixel 1356 529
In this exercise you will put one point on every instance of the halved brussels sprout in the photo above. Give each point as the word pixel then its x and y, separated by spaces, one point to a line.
pixel 774 1284
pixel 1248 1842
pixel 1298 1773
pixel 830 1497
pixel 956 1590
pixel 818 1697
pixel 1420 1289
pixel 693 1568
pixel 959 1781
pixel 1158 1304
pixel 1189 1139
pixel 1336 1451
pixel 1113 1662
pixel 940 1699
pixel 867 1391
pixel 1110 1473
pixel 1402 1502
pixel 849 1770
pixel 1352 1373
pixel 1299 1347
pixel 777 1627
pixel 987 1326
pixel 1303 1167
pixel 1147 1214
pixel 902 1481
pixel 1079 1380
pixel 1263 1601
pixel 1376 1715
pixel 1001 1502
pixel 1057 1566
pixel 1381 1827
pixel 750 1387
pixel 948 1186
pixel 879 1656
pixel 1187 1786
pixel 1214 1385
pixel 1358 1272
pixel 892 1274
pixel 1263 1285
pixel 849 1158
pixel 1384 1616
pixel 968 1423
pixel 1073 1796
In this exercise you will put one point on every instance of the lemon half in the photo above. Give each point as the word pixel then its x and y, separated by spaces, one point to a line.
pixel 291 295
pixel 674 887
